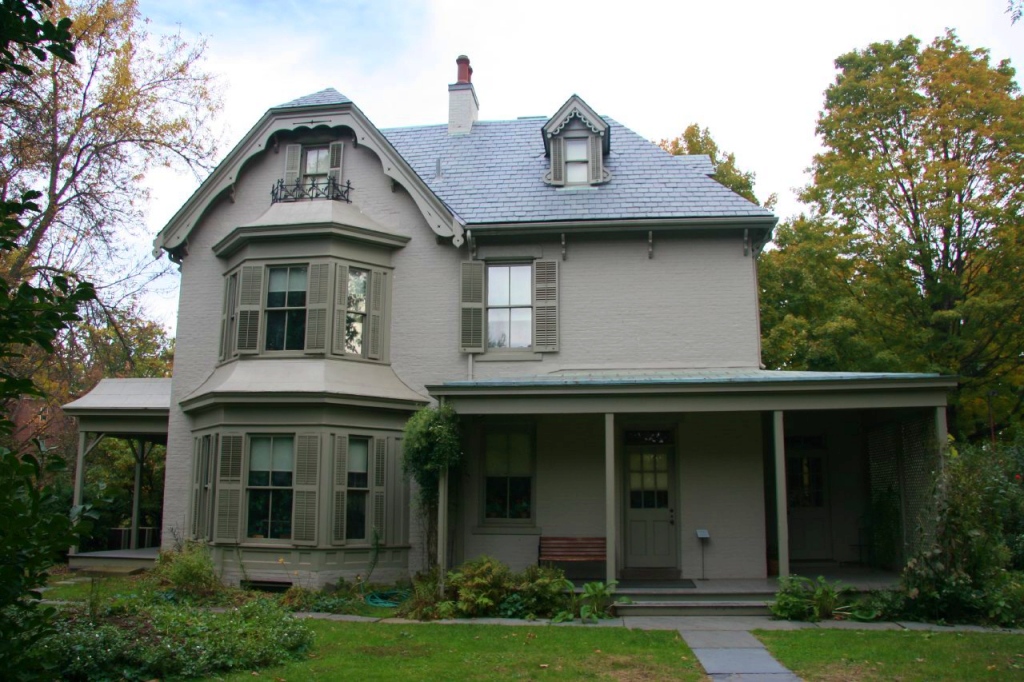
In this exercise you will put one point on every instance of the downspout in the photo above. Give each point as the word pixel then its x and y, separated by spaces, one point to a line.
pixel 469 356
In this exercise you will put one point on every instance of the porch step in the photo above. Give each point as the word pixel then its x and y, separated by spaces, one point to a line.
pixel 99 571
pixel 739 607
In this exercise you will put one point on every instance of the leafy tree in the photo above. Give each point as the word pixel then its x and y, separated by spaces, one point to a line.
pixel 696 140
pixel 918 193
pixel 1015 8
pixel 34 530
pixel 85 135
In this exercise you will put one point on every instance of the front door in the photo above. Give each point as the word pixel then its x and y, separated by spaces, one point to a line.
pixel 810 530
pixel 650 500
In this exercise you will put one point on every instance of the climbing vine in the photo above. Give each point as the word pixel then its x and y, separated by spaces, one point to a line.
pixel 432 443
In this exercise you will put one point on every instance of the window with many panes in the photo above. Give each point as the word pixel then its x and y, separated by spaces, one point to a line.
pixel 508 475
pixel 269 487
pixel 509 306
pixel 286 308
pixel 577 164
pixel 322 307
pixel 315 166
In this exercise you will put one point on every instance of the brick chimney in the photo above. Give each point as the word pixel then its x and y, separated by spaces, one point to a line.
pixel 463 106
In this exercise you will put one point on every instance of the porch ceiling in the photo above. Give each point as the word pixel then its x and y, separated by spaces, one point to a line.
pixel 706 390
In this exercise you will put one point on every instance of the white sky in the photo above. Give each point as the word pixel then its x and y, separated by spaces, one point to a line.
pixel 753 72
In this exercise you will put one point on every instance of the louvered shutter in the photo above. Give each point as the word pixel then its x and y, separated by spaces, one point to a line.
pixel 250 293
pixel 292 160
pixel 304 488
pixel 377 486
pixel 545 306
pixel 197 463
pixel 595 159
pixel 340 488
pixel 557 149
pixel 337 148
pixel 378 293
pixel 316 307
pixel 340 303
pixel 471 338
pixel 229 489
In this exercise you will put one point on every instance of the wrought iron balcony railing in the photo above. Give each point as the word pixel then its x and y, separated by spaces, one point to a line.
pixel 310 189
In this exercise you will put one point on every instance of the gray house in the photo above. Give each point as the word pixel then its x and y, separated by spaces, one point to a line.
pixel 587 303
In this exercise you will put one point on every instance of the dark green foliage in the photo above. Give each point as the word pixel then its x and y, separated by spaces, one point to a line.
pixel 804 599
pixel 23 29
pixel 190 573
pixel 173 641
pixel 972 570
pixel 431 444
pixel 485 587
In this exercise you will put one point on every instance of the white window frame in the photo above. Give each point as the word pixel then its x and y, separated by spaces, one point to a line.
pixel 491 265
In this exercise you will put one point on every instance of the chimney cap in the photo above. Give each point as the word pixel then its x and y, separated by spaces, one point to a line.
pixel 465 71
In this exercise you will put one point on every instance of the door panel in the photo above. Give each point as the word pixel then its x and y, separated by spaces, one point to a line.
pixel 650 501
pixel 810 528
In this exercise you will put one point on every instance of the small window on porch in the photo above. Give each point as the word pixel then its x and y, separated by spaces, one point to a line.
pixel 508 476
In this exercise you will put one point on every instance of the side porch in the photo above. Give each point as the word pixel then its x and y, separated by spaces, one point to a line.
pixel 682 474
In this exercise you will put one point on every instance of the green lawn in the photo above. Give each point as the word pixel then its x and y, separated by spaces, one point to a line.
pixel 833 655
pixel 379 651
pixel 80 591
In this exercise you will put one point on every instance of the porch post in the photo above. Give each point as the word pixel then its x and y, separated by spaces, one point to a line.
pixel 611 543
pixel 781 499
pixel 139 454
pixel 941 434
pixel 79 478
pixel 442 527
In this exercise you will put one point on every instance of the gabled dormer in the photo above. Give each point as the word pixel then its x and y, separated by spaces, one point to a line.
pixel 576 140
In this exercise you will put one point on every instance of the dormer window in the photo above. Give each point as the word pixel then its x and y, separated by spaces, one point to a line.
pixel 576 140
pixel 315 166
pixel 577 165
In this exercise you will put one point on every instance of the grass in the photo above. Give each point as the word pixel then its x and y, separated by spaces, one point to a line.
pixel 832 655
pixel 82 588
pixel 379 651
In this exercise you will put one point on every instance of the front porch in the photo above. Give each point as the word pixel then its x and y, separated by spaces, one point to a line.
pixel 115 562
pixel 682 474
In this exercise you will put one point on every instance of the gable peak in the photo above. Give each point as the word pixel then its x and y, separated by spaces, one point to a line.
pixel 575 107
pixel 325 96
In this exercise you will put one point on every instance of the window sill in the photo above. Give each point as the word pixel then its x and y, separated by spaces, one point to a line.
pixel 576 188
pixel 510 356
pixel 506 530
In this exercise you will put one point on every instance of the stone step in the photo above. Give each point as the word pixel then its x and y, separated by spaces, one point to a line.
pixel 694 608
pixel 692 596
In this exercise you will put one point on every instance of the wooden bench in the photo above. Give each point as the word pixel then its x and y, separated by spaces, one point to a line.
pixel 571 549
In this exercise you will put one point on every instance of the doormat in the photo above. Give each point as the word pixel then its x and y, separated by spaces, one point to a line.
pixel 678 584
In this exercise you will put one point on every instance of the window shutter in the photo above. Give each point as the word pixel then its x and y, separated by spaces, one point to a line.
pixel 595 159
pixel 472 332
pixel 197 461
pixel 316 308
pixel 378 287
pixel 545 306
pixel 249 297
pixel 292 159
pixel 304 485
pixel 380 456
pixel 229 489
pixel 334 173
pixel 339 489
pixel 340 302
pixel 557 149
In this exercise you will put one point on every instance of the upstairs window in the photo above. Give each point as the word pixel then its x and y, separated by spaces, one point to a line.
pixel 286 308
pixel 324 307
pixel 577 165
pixel 509 306
pixel 315 166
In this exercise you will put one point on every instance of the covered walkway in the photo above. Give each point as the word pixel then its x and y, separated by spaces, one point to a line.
pixel 135 410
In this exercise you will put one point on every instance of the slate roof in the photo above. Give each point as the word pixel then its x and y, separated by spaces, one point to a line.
pixel 325 96
pixel 494 175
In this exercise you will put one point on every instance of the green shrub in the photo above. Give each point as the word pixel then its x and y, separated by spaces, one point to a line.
pixel 964 573
pixel 174 641
pixel 804 599
pixel 190 573
pixel 480 586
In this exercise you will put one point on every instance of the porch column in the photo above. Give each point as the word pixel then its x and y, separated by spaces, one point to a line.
pixel 611 543
pixel 781 498
pixel 139 454
pixel 79 478
pixel 442 528
pixel 941 434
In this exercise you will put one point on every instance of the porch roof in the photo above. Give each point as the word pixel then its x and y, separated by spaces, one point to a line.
pixel 717 389
pixel 124 407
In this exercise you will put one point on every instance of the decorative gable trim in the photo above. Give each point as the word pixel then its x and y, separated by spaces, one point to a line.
pixel 575 107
